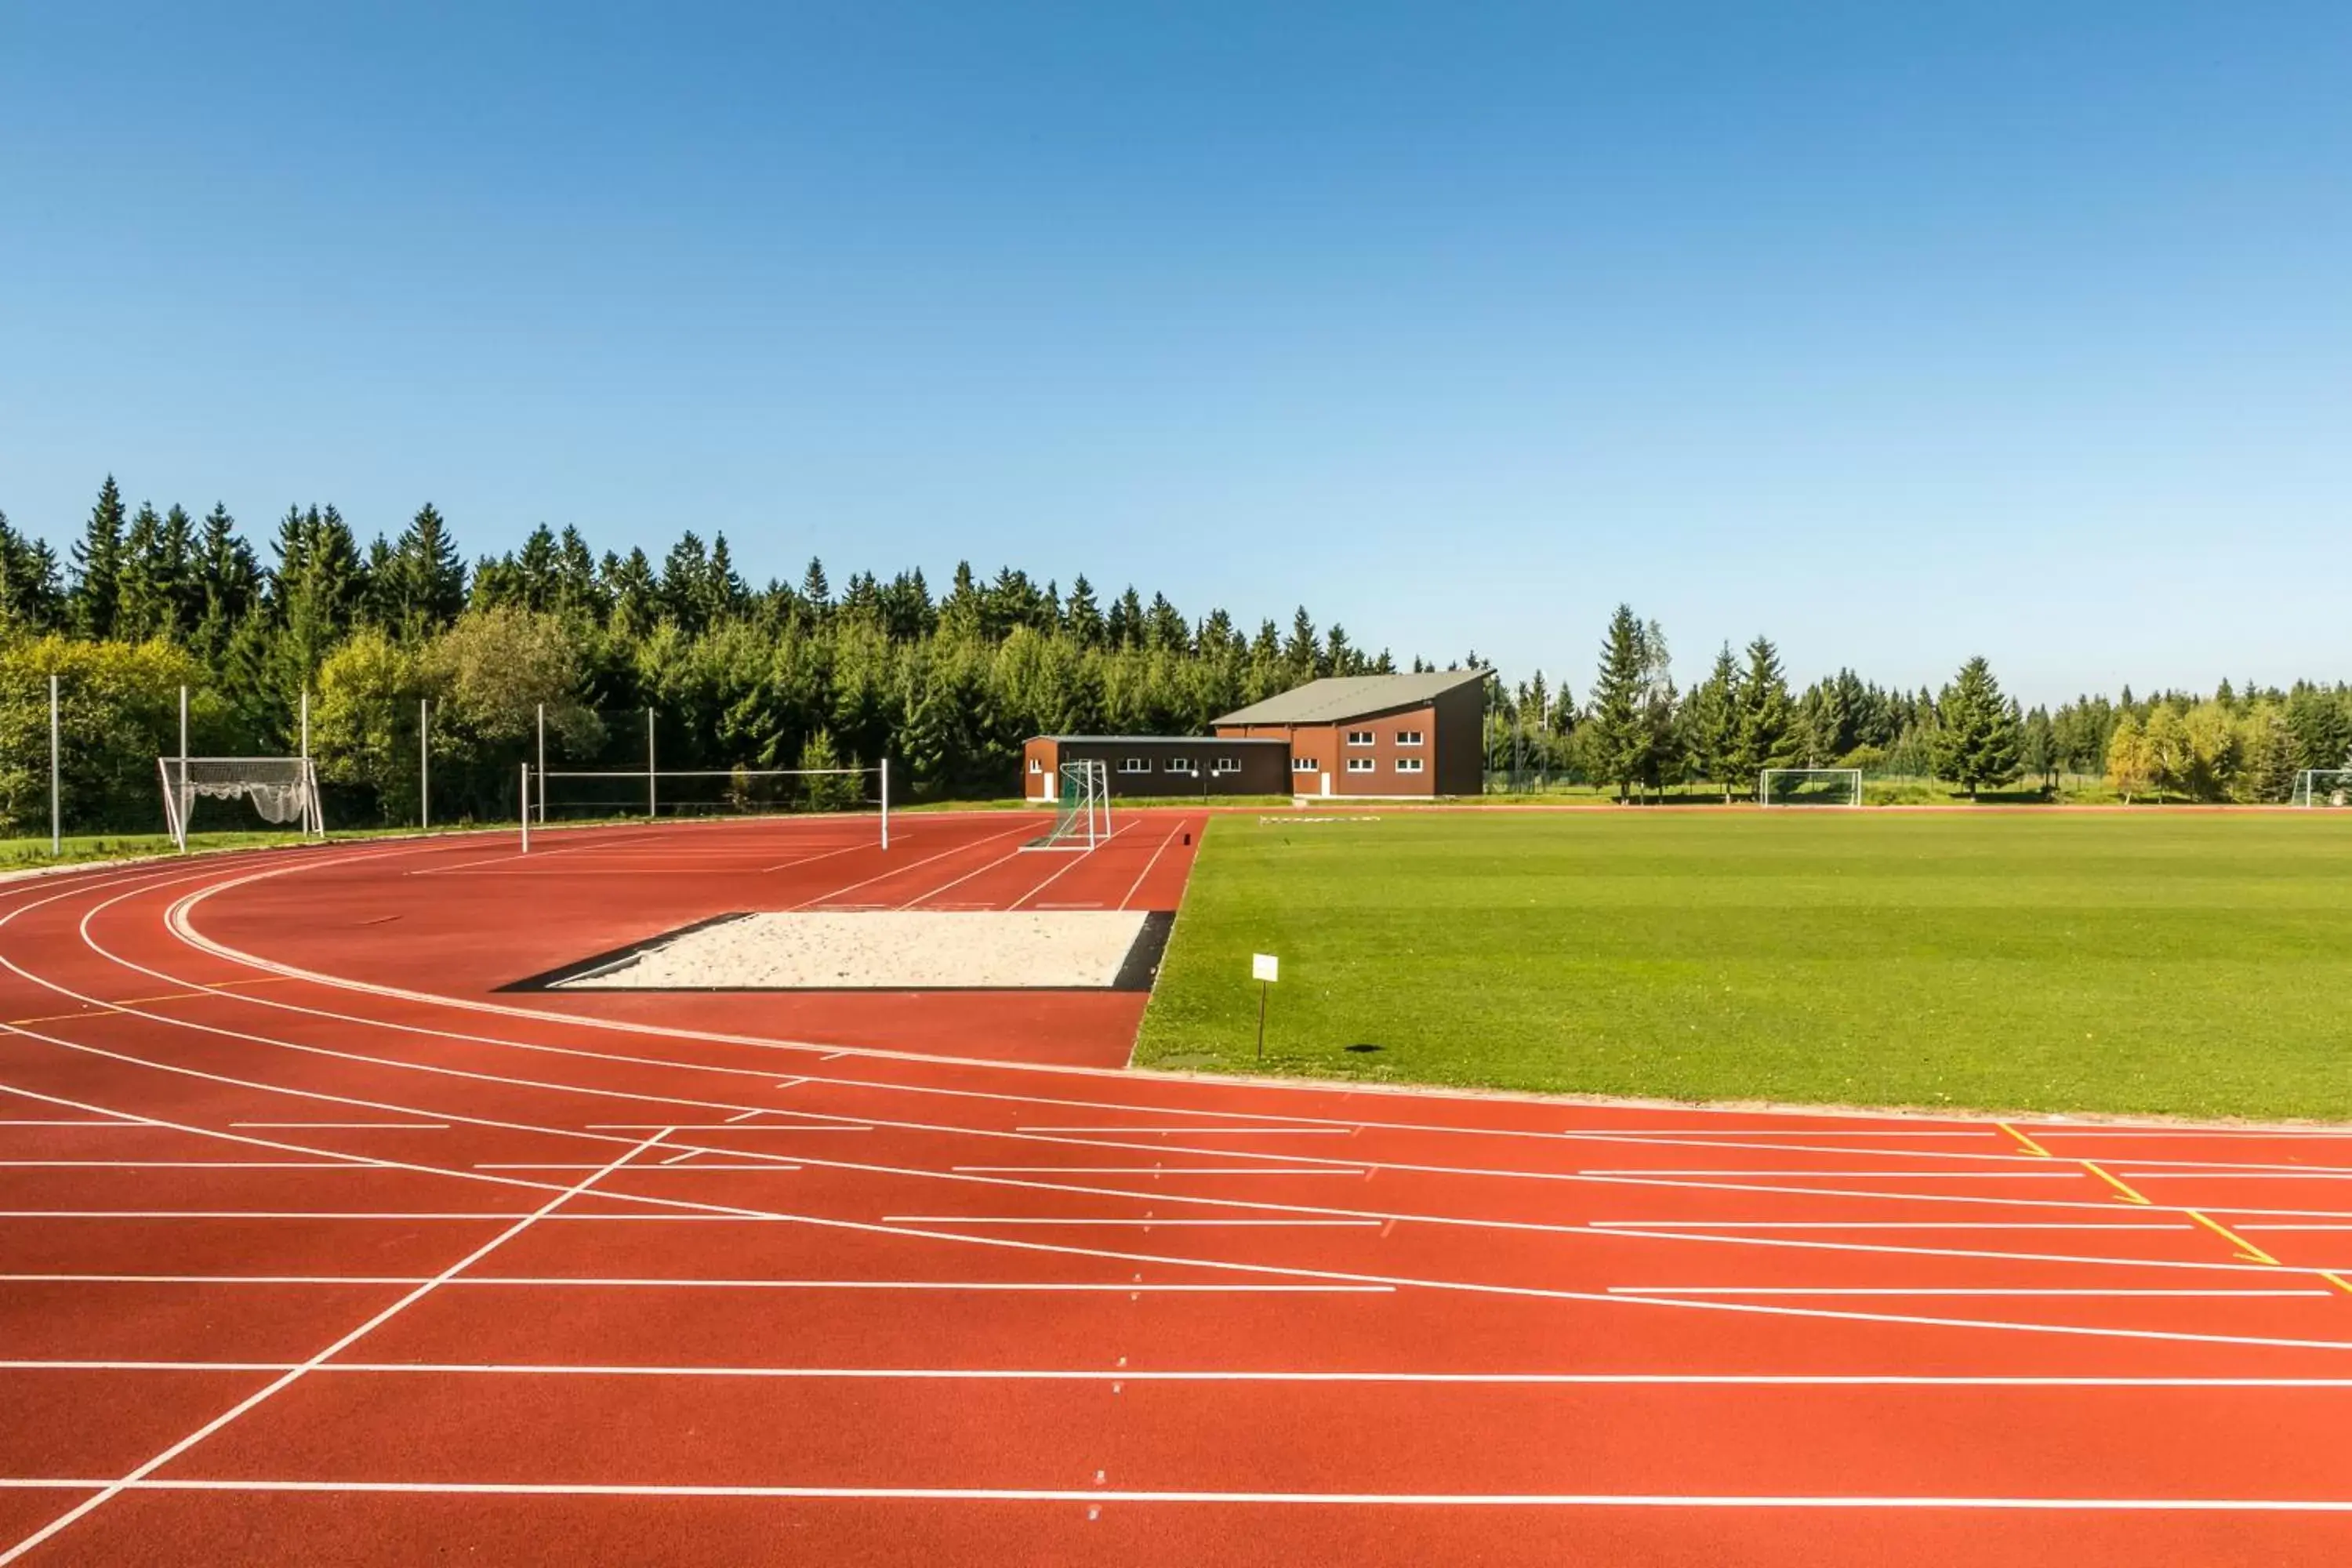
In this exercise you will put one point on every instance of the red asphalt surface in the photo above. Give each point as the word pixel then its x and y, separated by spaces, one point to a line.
pixel 317 1245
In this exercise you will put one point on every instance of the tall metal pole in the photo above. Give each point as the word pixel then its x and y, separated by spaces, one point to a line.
pixel 523 801
pixel 543 767
pixel 57 843
pixel 886 803
pixel 187 800
pixel 425 762
pixel 306 723
pixel 653 804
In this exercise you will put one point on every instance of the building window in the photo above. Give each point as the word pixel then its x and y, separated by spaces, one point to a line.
pixel 1360 737
pixel 1305 765
pixel 1036 766
pixel 1135 766
pixel 1408 764
pixel 1226 765
pixel 1359 764
pixel 1408 737
pixel 1180 765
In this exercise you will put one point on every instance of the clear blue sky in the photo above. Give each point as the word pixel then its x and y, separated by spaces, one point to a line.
pixel 1898 332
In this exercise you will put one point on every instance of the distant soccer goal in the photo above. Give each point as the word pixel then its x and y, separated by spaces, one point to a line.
pixel 283 791
pixel 1809 786
pixel 1081 809
pixel 610 794
pixel 2323 787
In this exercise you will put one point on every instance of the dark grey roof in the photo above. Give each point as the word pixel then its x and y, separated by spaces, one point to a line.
pixel 1162 740
pixel 1337 699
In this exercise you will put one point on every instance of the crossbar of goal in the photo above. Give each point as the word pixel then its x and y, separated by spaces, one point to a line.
pixel 283 791
pixel 585 794
pixel 1809 786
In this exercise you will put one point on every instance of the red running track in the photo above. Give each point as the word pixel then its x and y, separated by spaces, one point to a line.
pixel 317 1245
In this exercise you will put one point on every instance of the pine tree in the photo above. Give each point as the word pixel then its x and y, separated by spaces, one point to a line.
pixel 1976 739
pixel 1763 734
pixel 1619 737
pixel 98 565
pixel 1712 722
pixel 428 575
pixel 1082 620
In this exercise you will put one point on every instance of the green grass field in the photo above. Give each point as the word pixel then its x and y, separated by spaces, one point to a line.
pixel 2186 963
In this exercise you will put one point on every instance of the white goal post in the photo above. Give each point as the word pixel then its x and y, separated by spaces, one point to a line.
pixel 283 790
pixel 1081 809
pixel 1809 786
pixel 2323 787
pixel 616 793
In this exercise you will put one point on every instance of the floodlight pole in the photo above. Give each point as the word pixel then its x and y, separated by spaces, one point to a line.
pixel 425 762
pixel 57 843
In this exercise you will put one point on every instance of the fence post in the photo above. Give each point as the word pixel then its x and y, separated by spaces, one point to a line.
pixel 653 802
pixel 56 842
pixel 424 764
pixel 522 803
pixel 886 803
pixel 543 769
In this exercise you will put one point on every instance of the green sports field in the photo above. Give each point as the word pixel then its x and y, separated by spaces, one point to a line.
pixel 2192 963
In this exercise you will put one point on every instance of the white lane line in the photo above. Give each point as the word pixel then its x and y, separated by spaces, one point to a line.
pixel 483 1215
pixel 115 1487
pixel 811 860
pixel 1069 864
pixel 683 1155
pixel 568 1282
pixel 1137 886
pixel 1127 1374
pixel 646 1170
pixel 1926 1290
pixel 1010 1219
pixel 1894 1225
pixel 189 1165
pixel 2215 1173
pixel 828 898
pixel 742 1115
pixel 353 1126
pixel 1160 1170
pixel 1095 1495
pixel 2069 1172
pixel 736 1126
pixel 72 1121
pixel 1208 1131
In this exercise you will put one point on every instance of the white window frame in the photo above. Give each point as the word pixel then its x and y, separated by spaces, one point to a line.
pixel 1362 738
pixel 1305 765
pixel 1224 765
pixel 1036 765
pixel 1408 764
pixel 1361 765
pixel 1409 738
pixel 1135 764
pixel 1185 766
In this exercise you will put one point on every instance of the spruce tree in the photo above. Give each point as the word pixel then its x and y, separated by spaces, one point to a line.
pixel 429 574
pixel 1977 740
pixel 1763 734
pixel 1620 740
pixel 98 565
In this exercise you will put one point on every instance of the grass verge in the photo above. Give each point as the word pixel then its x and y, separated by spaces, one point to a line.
pixel 2183 964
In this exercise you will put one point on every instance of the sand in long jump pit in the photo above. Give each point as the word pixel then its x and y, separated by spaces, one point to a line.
pixel 909 950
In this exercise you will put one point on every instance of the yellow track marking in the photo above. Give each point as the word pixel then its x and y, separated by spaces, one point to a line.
pixel 2246 1249
pixel 136 1002
pixel 2336 1280
pixel 2029 1146
pixel 2129 1196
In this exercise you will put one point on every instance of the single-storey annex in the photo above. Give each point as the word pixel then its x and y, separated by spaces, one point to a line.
pixel 1383 735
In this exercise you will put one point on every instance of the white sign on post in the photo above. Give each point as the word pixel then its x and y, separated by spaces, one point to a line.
pixel 1265 966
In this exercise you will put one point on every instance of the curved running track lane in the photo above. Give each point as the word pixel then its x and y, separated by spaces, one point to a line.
pixel 317 1245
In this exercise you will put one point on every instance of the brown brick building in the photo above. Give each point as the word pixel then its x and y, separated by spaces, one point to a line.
pixel 1378 735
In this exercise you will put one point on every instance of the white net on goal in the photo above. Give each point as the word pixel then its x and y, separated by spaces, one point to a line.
pixel 2324 787
pixel 1081 809
pixel 1809 786
pixel 282 790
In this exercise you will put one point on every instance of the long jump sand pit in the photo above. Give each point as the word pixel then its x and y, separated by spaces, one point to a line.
pixel 893 950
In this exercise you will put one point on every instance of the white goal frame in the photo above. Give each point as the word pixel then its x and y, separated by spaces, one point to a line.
pixel 186 780
pixel 791 780
pixel 2323 788
pixel 1081 809
pixel 1764 785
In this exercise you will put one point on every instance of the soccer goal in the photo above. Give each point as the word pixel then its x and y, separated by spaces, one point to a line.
pixel 2323 787
pixel 283 791
pixel 651 794
pixel 1809 786
pixel 1081 809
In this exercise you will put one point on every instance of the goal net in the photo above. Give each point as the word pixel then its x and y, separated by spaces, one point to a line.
pixel 609 795
pixel 282 790
pixel 1081 809
pixel 1809 786
pixel 2324 786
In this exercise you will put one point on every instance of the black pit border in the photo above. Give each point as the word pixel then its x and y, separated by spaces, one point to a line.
pixel 1137 972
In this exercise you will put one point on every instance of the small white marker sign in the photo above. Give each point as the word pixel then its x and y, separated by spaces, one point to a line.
pixel 1265 966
